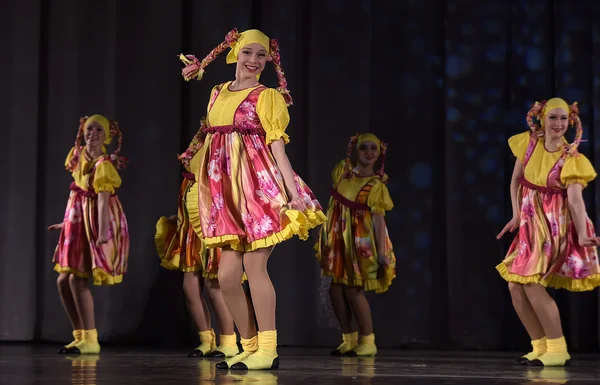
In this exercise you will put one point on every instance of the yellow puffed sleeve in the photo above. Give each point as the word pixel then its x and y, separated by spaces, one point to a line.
pixel 338 170
pixel 106 177
pixel 577 170
pixel 68 160
pixel 518 144
pixel 273 114
pixel 379 199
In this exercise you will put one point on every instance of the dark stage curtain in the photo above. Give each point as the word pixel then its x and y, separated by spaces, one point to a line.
pixel 444 82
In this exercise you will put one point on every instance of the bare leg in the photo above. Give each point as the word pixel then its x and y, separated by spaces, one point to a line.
pixel 220 308
pixel 264 299
pixel 525 311
pixel 192 287
pixel 84 301
pixel 230 281
pixel 261 287
pixel 545 309
pixel 547 312
pixel 341 308
pixel 360 308
pixel 66 297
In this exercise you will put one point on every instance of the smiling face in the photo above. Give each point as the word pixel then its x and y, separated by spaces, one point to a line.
pixel 251 61
pixel 94 135
pixel 556 123
pixel 368 153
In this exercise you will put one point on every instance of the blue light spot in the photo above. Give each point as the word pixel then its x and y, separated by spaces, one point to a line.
pixel 416 215
pixel 453 66
pixel 451 93
pixel 490 114
pixel 470 154
pixel 422 242
pixel 439 82
pixel 496 53
pixel 469 178
pixel 453 114
pixel 534 59
pixel 500 138
pixel 471 124
pixel 494 214
pixel 410 291
pixel 458 137
pixel 483 137
pixel 494 93
pixel 482 200
pixel 400 252
pixel 421 175
pixel 522 80
pixel 567 57
pixel 488 165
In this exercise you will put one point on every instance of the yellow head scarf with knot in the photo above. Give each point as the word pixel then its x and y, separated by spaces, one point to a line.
pixel 103 122
pixel 553 104
pixel 369 137
pixel 248 37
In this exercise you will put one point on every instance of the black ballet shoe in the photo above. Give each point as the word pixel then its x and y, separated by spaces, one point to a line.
pixel 62 350
pixel 73 350
pixel 216 353
pixel 537 362
pixel 242 366
pixel 521 361
pixel 196 353
pixel 336 353
pixel 222 365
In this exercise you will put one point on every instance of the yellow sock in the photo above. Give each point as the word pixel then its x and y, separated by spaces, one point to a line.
pixel 539 348
pixel 77 336
pixel 349 342
pixel 556 353
pixel 266 355
pixel 366 346
pixel 249 346
pixel 228 345
pixel 207 341
pixel 89 343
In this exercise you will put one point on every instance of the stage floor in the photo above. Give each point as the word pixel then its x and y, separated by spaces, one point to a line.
pixel 22 364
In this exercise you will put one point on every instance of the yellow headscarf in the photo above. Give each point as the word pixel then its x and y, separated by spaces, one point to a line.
pixel 553 104
pixel 103 122
pixel 369 137
pixel 247 37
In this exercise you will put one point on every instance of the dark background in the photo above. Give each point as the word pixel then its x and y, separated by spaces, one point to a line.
pixel 445 83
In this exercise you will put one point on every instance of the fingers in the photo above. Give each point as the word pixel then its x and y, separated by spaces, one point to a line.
pixel 502 232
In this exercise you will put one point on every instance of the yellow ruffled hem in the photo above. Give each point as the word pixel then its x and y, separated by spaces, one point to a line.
pixel 554 281
pixel 299 223
pixel 101 277
pixel 379 286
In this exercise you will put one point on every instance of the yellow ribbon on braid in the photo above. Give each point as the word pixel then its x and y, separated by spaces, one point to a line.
pixel 250 36
pixel 103 122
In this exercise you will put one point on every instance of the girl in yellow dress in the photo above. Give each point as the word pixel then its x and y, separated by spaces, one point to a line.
pixel 354 247
pixel 248 197
pixel 94 238
pixel 556 243
pixel 179 248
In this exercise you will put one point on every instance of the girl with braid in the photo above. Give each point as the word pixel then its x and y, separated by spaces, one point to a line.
pixel 94 238
pixel 247 197
pixel 180 248
pixel 354 247
pixel 555 245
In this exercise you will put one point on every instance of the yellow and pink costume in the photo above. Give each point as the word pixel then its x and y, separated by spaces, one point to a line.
pixel 546 249
pixel 76 252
